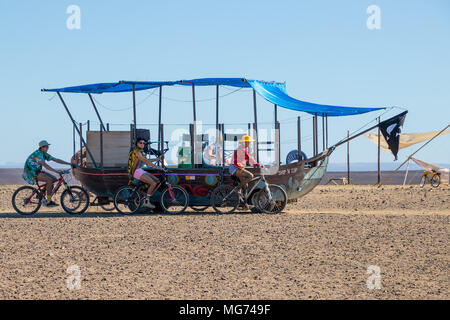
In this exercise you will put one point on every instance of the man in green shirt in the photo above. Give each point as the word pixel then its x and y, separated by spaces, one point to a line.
pixel 32 172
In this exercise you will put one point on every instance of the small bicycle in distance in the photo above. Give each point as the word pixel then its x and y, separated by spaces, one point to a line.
pixel 270 198
pixel 433 177
pixel 173 199
pixel 27 200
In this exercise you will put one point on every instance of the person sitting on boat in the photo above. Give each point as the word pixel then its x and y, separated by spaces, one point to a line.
pixel 32 172
pixel 241 158
pixel 136 160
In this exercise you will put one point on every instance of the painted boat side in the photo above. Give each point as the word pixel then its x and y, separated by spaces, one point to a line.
pixel 295 178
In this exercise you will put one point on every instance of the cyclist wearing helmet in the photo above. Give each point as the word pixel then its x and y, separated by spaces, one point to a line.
pixel 136 160
pixel 241 157
pixel 32 172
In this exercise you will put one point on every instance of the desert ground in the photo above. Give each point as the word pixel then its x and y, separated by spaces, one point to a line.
pixel 320 248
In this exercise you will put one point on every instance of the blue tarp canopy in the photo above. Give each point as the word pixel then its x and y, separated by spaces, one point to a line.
pixel 274 92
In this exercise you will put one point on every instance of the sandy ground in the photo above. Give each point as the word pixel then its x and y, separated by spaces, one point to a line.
pixel 320 248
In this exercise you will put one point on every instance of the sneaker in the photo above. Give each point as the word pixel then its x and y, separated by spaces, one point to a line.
pixel 148 204
pixel 51 204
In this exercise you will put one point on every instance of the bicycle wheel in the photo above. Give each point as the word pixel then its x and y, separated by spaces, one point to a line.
pixel 174 200
pixel 108 207
pixel 436 180
pixel 75 200
pixel 127 200
pixel 224 199
pixel 26 200
pixel 199 208
pixel 273 203
pixel 423 181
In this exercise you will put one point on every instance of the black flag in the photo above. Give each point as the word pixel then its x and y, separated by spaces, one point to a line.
pixel 391 130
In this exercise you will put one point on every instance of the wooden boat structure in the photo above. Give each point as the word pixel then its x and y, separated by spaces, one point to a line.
pixel 103 154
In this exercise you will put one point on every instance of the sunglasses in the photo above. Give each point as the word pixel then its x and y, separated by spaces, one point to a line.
pixel 141 142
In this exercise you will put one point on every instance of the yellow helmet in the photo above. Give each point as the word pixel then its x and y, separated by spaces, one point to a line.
pixel 246 139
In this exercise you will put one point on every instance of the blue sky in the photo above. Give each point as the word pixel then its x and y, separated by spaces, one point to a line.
pixel 322 49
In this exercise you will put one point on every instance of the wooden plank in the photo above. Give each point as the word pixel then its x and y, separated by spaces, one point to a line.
pixel 116 146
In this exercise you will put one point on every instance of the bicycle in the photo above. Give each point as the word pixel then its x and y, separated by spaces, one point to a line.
pixel 268 198
pixel 27 200
pixel 433 177
pixel 129 199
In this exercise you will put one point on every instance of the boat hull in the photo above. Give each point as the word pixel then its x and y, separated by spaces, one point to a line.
pixel 296 179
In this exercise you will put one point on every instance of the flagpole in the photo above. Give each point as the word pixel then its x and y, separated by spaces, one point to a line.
pixel 392 173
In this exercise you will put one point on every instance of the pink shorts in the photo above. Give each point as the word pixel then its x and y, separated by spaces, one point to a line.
pixel 138 173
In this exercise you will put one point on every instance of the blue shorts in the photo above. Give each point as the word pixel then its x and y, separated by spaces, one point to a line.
pixel 232 169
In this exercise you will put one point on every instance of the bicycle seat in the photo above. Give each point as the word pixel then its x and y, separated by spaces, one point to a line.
pixel 235 179
pixel 136 182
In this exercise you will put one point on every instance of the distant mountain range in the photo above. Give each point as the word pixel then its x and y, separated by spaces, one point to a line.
pixel 373 166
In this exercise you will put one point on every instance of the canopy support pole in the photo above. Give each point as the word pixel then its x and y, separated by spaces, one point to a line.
pixel 222 132
pixel 134 113
pixel 101 146
pixel 317 134
pixel 348 156
pixel 277 148
pixel 323 132
pixel 79 132
pixel 191 132
pixel 275 110
pixel 81 144
pixel 217 107
pixel 379 155
pixel 256 125
pixel 73 135
pixel 326 126
pixel 160 145
pixel 314 135
pixel 299 138
pixel 193 103
pixel 96 111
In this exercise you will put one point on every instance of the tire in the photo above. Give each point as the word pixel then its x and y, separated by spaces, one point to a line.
pixel 436 180
pixel 76 205
pixel 254 202
pixel 127 200
pixel 20 197
pixel 423 181
pixel 278 203
pixel 199 208
pixel 108 207
pixel 178 204
pixel 224 199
